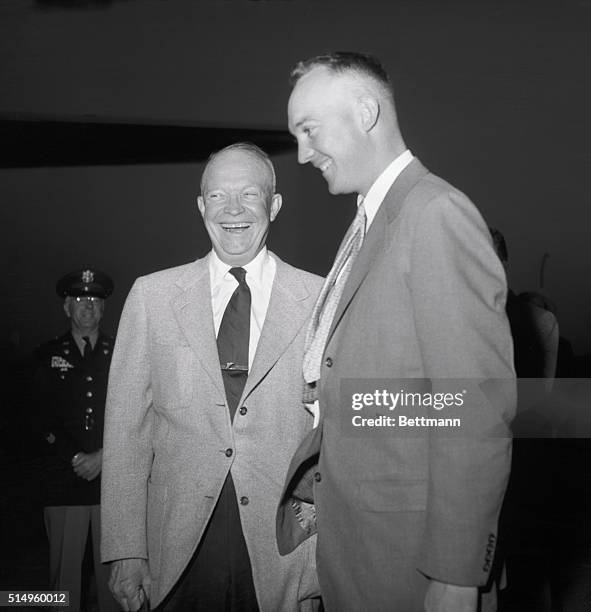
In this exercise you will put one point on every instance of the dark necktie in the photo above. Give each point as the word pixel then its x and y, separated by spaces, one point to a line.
pixel 87 348
pixel 233 338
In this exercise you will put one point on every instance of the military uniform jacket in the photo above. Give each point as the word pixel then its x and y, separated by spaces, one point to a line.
pixel 70 394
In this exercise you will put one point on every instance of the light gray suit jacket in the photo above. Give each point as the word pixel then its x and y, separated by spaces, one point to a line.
pixel 425 300
pixel 168 430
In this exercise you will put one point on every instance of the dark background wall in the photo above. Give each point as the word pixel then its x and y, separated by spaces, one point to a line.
pixel 494 96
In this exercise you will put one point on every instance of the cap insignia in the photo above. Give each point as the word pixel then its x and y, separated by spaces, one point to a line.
pixel 88 276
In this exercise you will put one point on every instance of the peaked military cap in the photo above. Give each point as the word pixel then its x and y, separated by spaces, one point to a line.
pixel 85 282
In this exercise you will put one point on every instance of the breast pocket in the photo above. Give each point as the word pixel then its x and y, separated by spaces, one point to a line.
pixel 173 371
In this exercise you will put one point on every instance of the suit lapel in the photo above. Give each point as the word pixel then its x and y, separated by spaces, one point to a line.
pixel 192 309
pixel 374 240
pixel 285 316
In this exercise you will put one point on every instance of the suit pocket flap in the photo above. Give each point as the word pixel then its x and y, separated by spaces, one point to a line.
pixel 385 495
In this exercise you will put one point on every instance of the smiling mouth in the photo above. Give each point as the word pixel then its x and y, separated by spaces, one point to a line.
pixel 325 165
pixel 235 228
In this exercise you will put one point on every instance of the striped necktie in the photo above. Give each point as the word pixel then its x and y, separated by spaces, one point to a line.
pixel 328 300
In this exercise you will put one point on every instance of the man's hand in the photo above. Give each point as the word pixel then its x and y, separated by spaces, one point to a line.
pixel 127 576
pixel 443 597
pixel 88 465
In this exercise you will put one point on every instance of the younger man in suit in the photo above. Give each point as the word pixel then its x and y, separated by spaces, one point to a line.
pixel 203 413
pixel 405 521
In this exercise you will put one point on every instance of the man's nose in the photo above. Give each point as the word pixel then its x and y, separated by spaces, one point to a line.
pixel 234 204
pixel 304 153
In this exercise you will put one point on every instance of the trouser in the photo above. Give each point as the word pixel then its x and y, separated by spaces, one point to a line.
pixel 219 575
pixel 67 530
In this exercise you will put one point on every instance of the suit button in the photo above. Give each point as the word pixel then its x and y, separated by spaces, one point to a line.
pixel 243 410
pixel 317 476
pixel 89 379
pixel 328 362
pixel 244 501
pixel 89 394
pixel 229 452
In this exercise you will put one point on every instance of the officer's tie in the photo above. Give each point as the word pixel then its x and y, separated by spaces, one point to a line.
pixel 233 339
pixel 87 352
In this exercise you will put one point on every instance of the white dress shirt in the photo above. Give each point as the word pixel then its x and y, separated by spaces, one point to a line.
pixel 377 192
pixel 260 273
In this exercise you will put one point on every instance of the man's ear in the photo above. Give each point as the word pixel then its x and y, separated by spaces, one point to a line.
pixel 201 205
pixel 67 306
pixel 276 202
pixel 369 111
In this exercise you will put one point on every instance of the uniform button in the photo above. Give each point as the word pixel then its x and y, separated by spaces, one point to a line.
pixel 328 362
pixel 317 476
pixel 229 452
pixel 243 410
pixel 244 500
pixel 89 394
pixel 89 410
pixel 89 379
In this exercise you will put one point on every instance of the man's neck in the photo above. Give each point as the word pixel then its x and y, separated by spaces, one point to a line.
pixel 78 334
pixel 384 154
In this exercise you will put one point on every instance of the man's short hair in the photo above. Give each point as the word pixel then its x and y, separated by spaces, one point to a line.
pixel 247 147
pixel 346 61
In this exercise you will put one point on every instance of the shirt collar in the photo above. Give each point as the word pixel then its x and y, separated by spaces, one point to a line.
pixel 377 192
pixel 254 268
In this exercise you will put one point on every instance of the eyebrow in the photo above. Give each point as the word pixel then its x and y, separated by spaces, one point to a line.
pixel 302 121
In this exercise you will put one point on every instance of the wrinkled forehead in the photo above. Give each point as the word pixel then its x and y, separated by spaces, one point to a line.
pixel 235 168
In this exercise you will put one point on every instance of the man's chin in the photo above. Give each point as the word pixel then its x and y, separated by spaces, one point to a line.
pixel 334 189
pixel 236 257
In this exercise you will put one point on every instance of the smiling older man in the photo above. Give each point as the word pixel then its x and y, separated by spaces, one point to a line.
pixel 204 413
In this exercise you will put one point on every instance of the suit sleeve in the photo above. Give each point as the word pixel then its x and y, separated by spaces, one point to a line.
pixel 127 447
pixel 458 291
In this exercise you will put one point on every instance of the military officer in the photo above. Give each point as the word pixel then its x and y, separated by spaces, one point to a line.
pixel 70 385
